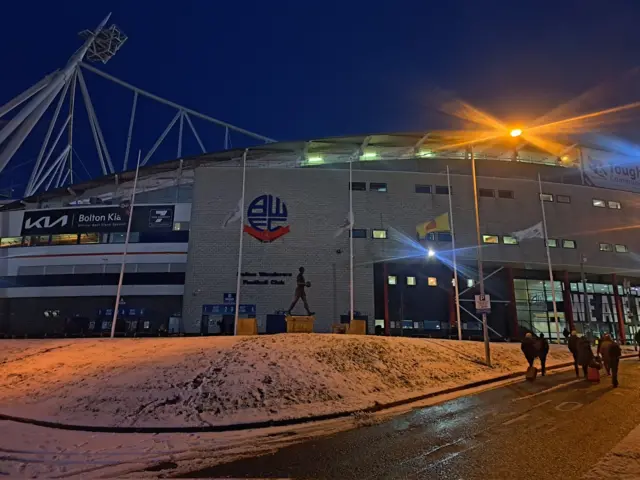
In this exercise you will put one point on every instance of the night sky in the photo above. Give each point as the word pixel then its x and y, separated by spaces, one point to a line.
pixel 307 69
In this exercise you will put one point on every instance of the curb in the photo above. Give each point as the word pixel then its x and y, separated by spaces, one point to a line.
pixel 275 423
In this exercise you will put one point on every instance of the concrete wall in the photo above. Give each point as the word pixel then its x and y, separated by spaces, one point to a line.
pixel 317 202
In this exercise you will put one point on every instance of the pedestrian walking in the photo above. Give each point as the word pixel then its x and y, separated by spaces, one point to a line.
pixel 603 350
pixel 637 339
pixel 565 334
pixel 614 361
pixel 529 348
pixel 543 351
pixel 573 348
pixel 585 355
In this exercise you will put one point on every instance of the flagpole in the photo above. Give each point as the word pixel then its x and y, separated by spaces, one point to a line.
pixel 126 247
pixel 239 276
pixel 351 220
pixel 546 243
pixel 455 265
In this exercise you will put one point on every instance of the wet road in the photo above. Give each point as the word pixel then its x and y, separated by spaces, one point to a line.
pixel 517 431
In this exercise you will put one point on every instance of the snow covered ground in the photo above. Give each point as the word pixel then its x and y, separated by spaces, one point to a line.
pixel 623 462
pixel 209 380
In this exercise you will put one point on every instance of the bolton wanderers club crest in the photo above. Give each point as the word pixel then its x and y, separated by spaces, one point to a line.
pixel 267 217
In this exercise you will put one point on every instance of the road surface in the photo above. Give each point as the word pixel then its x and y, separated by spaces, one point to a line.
pixel 520 431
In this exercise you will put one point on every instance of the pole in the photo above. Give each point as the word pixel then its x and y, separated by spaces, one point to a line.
pixel 244 177
pixel 455 264
pixel 126 246
pixel 546 243
pixel 485 331
pixel 585 299
pixel 351 219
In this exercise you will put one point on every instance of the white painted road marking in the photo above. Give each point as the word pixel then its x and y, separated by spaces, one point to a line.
pixel 574 406
pixel 517 419
pixel 557 387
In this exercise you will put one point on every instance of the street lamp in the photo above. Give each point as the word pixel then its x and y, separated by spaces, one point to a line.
pixel 516 132
pixel 430 253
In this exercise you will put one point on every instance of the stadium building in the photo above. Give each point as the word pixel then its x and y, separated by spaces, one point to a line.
pixel 62 250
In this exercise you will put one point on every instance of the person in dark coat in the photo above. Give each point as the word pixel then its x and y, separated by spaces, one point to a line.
pixel 565 334
pixel 603 350
pixel 637 339
pixel 529 349
pixel 573 348
pixel 543 351
pixel 614 360
pixel 585 354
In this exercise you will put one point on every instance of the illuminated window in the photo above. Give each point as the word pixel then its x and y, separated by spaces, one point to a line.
pixel 378 187
pixel 606 247
pixel 378 234
pixel 411 281
pixel 490 239
pixel 546 197
pixel 509 240
pixel 392 280
pixel 614 205
pixel 423 189
pixel 622 249
pixel 470 282
pixel 64 239
pixel 568 244
pixel 432 281
pixel 599 203
pixel 505 194
pixel 552 242
pixel 7 242
pixel 36 241
pixel 89 238
pixel 180 226
pixel 486 192
pixel 563 199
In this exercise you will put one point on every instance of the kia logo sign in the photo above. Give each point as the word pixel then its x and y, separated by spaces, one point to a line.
pixel 45 223
pixel 98 219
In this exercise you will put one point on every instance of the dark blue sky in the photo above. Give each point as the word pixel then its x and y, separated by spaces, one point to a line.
pixel 294 70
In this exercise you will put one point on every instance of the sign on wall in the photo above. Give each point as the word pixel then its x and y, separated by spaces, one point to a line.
pixel 267 218
pixel 610 170
pixel 157 218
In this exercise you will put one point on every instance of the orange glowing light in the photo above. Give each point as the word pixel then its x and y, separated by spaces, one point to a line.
pixel 516 132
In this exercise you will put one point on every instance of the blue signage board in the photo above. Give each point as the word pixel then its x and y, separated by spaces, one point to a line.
pixel 228 309
pixel 229 298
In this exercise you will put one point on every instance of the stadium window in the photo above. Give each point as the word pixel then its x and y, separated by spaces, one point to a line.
pixel 411 281
pixel 378 234
pixel 486 192
pixel 180 226
pixel 614 205
pixel 552 242
pixel 505 194
pixel 432 281
pixel 568 244
pixel 622 249
pixel 599 203
pixel 64 239
pixel 359 233
pixel 36 241
pixel 359 186
pixel 509 240
pixel 423 189
pixel 563 199
pixel 392 280
pixel 606 247
pixel 490 239
pixel 134 237
pixel 7 242
pixel 89 238
pixel 470 282
pixel 378 187
pixel 442 190
pixel 546 197
pixel 443 237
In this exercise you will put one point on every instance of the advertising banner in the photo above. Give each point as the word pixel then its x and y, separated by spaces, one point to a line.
pixel 157 218
pixel 610 170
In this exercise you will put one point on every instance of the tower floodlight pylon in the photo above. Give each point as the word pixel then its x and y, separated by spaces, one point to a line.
pixel 54 163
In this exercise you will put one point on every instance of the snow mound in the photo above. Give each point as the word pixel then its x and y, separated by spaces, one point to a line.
pixel 209 380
